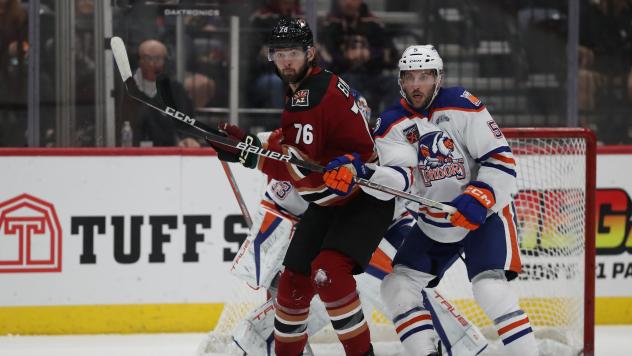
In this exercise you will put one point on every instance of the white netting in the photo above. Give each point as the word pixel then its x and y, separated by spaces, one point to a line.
pixel 551 215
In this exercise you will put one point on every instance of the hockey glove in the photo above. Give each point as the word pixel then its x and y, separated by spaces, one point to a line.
pixel 340 172
pixel 231 154
pixel 472 205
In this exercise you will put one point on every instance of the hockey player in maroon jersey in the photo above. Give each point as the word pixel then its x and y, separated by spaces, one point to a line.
pixel 337 233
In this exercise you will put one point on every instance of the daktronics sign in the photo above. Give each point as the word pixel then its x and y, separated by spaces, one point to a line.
pixel 30 236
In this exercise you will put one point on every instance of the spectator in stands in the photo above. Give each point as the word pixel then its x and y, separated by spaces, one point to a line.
pixel 201 89
pixel 211 58
pixel 149 125
pixel 267 90
pixel 13 73
pixel 359 47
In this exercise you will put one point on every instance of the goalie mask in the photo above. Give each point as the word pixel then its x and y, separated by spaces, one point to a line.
pixel 424 57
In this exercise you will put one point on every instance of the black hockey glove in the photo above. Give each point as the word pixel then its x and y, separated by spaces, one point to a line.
pixel 231 154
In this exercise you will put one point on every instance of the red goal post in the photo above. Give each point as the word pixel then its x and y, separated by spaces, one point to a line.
pixel 589 139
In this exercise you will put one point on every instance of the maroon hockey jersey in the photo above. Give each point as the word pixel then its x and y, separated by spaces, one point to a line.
pixel 320 122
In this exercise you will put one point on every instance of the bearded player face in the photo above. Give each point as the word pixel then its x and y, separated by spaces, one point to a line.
pixel 292 63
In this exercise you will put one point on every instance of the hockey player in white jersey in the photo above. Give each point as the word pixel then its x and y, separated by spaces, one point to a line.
pixel 460 156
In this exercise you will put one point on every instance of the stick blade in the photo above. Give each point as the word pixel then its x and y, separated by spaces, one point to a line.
pixel 120 57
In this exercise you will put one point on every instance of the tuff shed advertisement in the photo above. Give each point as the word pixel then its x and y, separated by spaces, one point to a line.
pixel 31 236
pixel 111 227
pixel 128 236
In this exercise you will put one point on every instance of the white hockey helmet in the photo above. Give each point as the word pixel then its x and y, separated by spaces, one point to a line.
pixel 421 57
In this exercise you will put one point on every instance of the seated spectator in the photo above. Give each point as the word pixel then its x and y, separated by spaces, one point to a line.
pixel 149 126
pixel 360 48
pixel 209 40
pixel 201 89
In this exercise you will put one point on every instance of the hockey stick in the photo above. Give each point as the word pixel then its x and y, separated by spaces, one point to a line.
pixel 163 85
pixel 238 196
pixel 122 62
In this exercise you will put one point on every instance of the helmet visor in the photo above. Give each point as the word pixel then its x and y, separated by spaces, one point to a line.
pixel 419 77
pixel 286 54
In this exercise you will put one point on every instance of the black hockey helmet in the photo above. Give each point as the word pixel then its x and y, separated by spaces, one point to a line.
pixel 291 32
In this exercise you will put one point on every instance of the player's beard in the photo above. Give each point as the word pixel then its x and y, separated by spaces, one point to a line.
pixel 423 104
pixel 427 97
pixel 291 76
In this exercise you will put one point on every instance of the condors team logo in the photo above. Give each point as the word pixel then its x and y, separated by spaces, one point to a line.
pixel 437 158
pixel 30 236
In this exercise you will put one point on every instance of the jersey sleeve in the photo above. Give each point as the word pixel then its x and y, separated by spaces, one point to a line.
pixel 489 148
pixel 397 157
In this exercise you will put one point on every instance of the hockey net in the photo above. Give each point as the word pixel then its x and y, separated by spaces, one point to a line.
pixel 555 224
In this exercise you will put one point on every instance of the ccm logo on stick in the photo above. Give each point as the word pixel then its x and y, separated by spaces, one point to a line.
pixel 179 115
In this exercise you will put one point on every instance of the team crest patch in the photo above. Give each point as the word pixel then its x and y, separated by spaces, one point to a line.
pixel 439 158
pixel 412 134
pixel 301 98
pixel 471 98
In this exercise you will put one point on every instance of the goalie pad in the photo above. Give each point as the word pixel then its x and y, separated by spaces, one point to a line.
pixel 254 335
pixel 260 256
pixel 459 337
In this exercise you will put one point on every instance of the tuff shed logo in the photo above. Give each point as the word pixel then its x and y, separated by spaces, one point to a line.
pixel 30 236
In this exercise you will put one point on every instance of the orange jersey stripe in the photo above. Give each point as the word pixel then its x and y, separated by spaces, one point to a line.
pixel 515 264
pixel 381 261
pixel 432 214
pixel 515 324
pixel 505 159
pixel 412 321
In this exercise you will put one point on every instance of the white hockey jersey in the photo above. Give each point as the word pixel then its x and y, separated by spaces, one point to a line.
pixel 453 142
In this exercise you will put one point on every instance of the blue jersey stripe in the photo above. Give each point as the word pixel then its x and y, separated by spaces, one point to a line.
pixel 500 168
pixel 403 315
pixel 375 272
pixel 423 217
pixel 414 331
pixel 495 150
pixel 403 172
pixel 517 336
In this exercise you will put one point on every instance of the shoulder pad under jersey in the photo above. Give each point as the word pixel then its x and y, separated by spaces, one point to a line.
pixel 457 98
pixel 388 118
